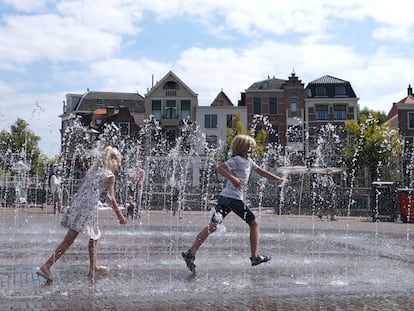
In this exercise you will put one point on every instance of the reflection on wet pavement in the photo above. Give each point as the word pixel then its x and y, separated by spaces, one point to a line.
pixel 349 264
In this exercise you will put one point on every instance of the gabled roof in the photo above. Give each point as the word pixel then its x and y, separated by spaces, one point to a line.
pixel 170 76
pixel 409 99
pixel 221 100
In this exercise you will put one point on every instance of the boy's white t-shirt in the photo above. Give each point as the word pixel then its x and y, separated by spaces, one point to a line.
pixel 239 167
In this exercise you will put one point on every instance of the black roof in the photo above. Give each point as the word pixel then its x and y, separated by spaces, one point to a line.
pixel 329 83
pixel 91 101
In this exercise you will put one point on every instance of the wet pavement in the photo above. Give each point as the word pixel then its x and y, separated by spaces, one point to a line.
pixel 349 264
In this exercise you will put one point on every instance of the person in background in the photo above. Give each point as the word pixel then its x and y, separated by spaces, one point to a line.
pixel 237 171
pixel 82 215
pixel 136 180
pixel 56 190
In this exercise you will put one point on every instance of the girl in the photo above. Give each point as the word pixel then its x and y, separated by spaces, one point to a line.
pixel 82 216
pixel 237 171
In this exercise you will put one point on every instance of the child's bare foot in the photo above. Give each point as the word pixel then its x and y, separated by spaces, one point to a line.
pixel 45 273
pixel 102 269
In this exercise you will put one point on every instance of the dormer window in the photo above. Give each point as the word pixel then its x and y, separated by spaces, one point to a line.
pixel 264 86
pixel 320 91
pixel 340 91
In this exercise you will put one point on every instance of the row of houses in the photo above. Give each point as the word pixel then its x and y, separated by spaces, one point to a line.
pixel 294 112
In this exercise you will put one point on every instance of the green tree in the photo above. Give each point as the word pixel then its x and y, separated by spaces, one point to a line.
pixel 235 129
pixel 260 137
pixel 21 144
pixel 379 115
pixel 372 146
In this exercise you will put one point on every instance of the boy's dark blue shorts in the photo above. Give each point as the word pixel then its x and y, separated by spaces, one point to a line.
pixel 225 205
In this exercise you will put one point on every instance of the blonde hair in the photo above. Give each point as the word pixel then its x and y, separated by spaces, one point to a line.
pixel 109 158
pixel 241 145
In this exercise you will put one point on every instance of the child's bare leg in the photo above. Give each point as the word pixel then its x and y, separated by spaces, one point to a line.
pixel 254 238
pixel 60 250
pixel 93 254
pixel 202 236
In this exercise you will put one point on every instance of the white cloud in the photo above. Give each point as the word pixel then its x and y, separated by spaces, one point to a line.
pixel 27 39
pixel 127 75
pixel 103 45
pixel 28 5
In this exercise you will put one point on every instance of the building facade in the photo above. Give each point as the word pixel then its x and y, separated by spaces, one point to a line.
pixel 401 117
pixel 216 120
pixel 332 101
pixel 282 103
pixel 172 104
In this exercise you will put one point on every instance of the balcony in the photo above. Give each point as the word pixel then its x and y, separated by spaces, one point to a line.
pixel 170 122
pixel 170 93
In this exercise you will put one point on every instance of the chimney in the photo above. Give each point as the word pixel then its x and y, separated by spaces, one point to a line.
pixel 410 90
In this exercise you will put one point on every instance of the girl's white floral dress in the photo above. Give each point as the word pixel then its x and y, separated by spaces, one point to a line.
pixel 82 215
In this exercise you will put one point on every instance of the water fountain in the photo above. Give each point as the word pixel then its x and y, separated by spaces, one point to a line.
pixel 316 264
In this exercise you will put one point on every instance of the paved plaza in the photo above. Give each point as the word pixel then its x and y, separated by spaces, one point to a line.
pixel 348 264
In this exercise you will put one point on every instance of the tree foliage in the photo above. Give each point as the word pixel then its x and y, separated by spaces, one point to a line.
pixel 260 138
pixel 20 145
pixel 236 128
pixel 379 115
pixel 372 145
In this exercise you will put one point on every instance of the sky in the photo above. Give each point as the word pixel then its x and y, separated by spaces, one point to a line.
pixel 49 48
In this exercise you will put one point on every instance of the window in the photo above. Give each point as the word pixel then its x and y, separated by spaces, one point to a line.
pixel 100 104
pixel 211 141
pixel 408 144
pixel 273 105
pixel 170 110
pixel 265 85
pixel 339 112
pixel 124 128
pixel 293 103
pixel 320 91
pixel 156 109
pixel 210 121
pixel 273 134
pixel 170 85
pixel 257 105
pixel 229 121
pixel 295 133
pixel 321 112
pixel 185 109
pixel 340 90
pixel 411 120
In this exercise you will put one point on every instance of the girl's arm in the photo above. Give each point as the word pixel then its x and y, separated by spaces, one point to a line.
pixel 111 197
pixel 141 177
pixel 262 172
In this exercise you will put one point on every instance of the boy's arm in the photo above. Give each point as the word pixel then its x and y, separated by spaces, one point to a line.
pixel 262 172
pixel 223 171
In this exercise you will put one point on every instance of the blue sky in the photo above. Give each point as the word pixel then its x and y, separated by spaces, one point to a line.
pixel 52 47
